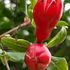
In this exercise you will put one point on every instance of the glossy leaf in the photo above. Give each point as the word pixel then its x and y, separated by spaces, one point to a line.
pixel 59 38
pixel 58 64
pixel 15 44
pixel 16 56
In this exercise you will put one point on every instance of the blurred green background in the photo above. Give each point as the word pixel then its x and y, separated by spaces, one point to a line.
pixel 12 13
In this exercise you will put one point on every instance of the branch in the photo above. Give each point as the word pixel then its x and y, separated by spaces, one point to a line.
pixel 26 22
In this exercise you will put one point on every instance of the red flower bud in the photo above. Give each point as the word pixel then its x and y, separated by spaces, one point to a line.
pixel 46 14
pixel 38 57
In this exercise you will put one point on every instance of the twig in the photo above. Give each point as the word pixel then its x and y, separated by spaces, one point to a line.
pixel 24 24
pixel 6 63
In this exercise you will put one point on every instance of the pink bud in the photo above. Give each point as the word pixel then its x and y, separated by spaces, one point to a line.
pixel 38 57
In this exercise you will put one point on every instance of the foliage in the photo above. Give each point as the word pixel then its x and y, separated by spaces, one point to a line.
pixel 13 47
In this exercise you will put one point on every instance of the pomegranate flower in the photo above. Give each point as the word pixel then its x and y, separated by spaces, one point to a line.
pixel 46 14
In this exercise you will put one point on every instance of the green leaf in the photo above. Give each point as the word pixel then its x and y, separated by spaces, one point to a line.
pixel 12 56
pixel 16 56
pixel 33 2
pixel 30 8
pixel 62 23
pixel 23 43
pixel 15 44
pixel 30 11
pixel 59 37
pixel 58 63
